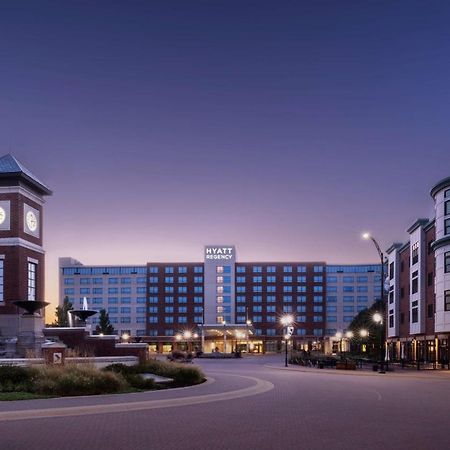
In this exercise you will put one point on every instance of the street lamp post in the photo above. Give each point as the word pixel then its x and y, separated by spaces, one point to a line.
pixel 286 340
pixel 287 320
pixel 378 318
pixel 248 324
pixel 349 336
pixel 381 255
pixel 339 337
pixel 224 323
pixel 178 338
pixel 187 336
pixel 363 334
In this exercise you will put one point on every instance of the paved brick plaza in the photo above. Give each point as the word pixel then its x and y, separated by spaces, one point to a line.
pixel 252 403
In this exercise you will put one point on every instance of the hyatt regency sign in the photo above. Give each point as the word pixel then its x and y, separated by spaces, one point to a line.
pixel 218 252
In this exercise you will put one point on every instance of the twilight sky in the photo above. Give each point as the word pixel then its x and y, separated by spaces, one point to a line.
pixel 283 127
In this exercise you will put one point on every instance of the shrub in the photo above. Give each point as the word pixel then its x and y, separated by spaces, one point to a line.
pixel 120 368
pixel 132 376
pixel 85 379
pixel 177 354
pixel 181 374
pixel 138 382
pixel 16 378
pixel 77 380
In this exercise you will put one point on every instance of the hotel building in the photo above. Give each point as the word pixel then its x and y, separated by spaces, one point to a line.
pixel 418 304
pixel 229 304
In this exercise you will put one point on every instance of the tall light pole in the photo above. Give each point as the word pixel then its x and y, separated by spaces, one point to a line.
pixel 381 255
pixel 287 320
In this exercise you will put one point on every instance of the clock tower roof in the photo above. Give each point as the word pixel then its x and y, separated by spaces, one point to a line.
pixel 10 167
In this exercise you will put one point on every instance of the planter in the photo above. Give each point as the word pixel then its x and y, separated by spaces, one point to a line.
pixel 345 366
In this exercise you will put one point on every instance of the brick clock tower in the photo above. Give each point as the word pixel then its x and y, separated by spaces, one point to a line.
pixel 21 253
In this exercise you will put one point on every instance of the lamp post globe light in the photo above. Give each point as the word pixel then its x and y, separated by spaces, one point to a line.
pixel 287 320
pixel 339 338
pixel 363 334
pixel 248 324
pixel 349 335
pixel 378 317
pixel 187 335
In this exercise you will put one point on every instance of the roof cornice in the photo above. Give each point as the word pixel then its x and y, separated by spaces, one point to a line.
pixel 439 186
pixel 440 243
pixel 394 246
pixel 418 223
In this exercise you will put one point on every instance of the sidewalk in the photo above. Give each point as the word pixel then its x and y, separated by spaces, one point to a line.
pixel 396 373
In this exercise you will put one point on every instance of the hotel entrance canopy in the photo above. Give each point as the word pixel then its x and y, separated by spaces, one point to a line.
pixel 232 332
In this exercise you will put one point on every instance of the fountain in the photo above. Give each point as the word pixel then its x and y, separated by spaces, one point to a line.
pixel 84 313
pixel 30 306
pixel 30 337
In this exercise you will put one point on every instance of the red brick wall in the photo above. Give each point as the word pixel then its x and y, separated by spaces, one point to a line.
pixel 15 280
pixel 16 257
pixel 77 338
pixel 404 286
pixel 309 325
pixel 429 293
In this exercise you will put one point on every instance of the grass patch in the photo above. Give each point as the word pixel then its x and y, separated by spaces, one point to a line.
pixel 11 396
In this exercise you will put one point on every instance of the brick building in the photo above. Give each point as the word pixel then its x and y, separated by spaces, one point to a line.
pixel 418 304
pixel 21 252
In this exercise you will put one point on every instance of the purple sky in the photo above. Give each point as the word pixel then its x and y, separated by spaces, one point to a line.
pixel 285 128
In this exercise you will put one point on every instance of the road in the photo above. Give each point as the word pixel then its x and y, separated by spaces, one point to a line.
pixel 249 403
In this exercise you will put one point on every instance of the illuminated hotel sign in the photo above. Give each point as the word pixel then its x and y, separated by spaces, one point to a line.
pixel 218 252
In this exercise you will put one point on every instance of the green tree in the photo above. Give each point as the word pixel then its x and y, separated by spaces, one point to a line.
pixel 104 325
pixel 364 321
pixel 62 319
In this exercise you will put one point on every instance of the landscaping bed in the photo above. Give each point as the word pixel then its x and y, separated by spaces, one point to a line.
pixel 18 383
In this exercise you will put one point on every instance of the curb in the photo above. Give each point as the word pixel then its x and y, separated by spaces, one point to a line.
pixel 433 377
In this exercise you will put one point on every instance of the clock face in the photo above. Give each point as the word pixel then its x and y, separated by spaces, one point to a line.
pixel 2 215
pixel 31 221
